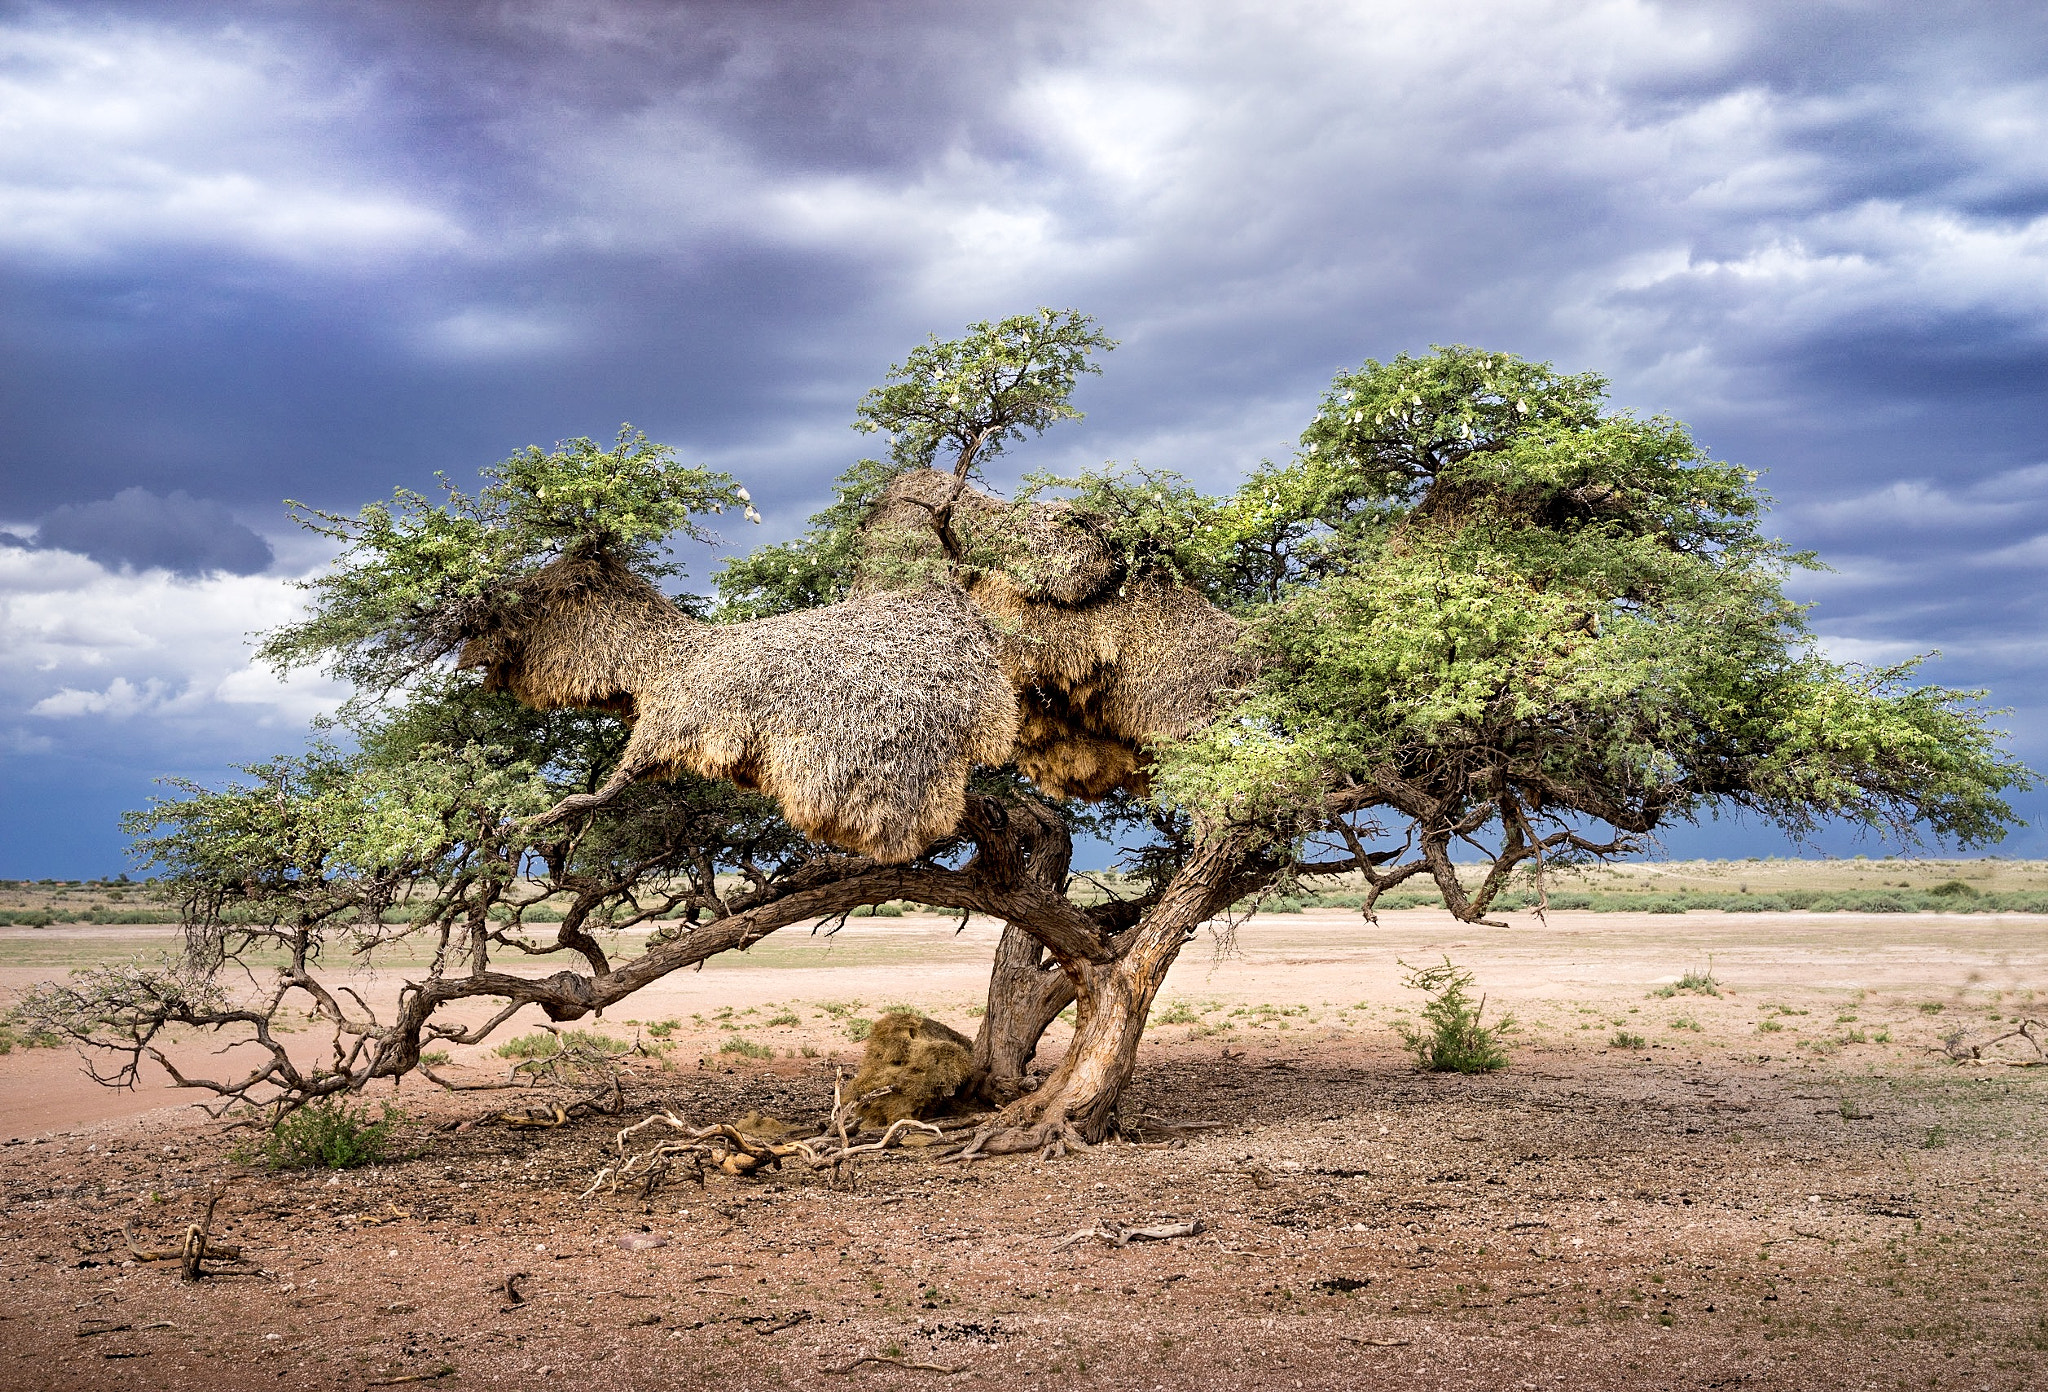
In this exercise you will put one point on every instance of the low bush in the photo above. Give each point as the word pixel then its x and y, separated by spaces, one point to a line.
pixel 746 1048
pixel 1455 1040
pixel 327 1135
pixel 547 1043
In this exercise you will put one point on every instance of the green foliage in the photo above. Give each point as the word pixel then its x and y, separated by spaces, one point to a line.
pixel 328 1134
pixel 1497 602
pixel 1624 1040
pixel 1454 1039
pixel 974 395
pixel 542 1044
pixel 1700 983
pixel 971 395
pixel 1955 889
pixel 746 1048
pixel 18 1033
pixel 416 576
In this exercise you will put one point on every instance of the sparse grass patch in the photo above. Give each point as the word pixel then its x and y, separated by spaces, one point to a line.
pixel 784 1018
pixel 14 1035
pixel 1624 1040
pixel 1686 1022
pixel 857 1028
pixel 746 1048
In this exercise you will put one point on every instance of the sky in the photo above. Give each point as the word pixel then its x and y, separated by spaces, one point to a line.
pixel 260 250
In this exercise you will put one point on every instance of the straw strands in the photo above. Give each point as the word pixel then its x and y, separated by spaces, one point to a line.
pixel 1102 661
pixel 862 719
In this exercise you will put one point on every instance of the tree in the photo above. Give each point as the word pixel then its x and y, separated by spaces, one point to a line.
pixel 1487 612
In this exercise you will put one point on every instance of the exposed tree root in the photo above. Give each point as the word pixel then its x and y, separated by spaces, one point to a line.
pixel 727 1149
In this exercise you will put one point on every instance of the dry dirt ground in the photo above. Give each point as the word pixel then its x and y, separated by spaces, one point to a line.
pixel 1827 1203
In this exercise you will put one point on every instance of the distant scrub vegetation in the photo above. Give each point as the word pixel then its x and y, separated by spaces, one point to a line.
pixel 1953 897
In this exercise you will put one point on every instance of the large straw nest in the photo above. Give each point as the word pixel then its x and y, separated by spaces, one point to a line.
pixel 862 719
pixel 917 1065
pixel 1103 662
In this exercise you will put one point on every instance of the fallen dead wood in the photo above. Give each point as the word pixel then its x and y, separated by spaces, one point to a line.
pixel 894 1363
pixel 526 1120
pixel 728 1149
pixel 1959 1047
pixel 215 1251
pixel 444 1370
pixel 1121 1236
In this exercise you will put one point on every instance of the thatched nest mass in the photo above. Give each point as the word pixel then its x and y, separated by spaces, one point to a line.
pixel 864 719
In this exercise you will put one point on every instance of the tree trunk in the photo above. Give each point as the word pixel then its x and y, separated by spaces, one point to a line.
pixel 1112 1002
pixel 1026 992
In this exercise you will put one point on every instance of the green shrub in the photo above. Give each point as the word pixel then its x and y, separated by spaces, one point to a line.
pixel 746 1048
pixel 662 1029
pixel 857 1028
pixel 1699 983
pixel 1624 1040
pixel 878 911
pixel 1455 1041
pixel 1955 889
pixel 434 1058
pixel 327 1135
pixel 1178 1013
pixel 14 1035
pixel 784 1017
pixel 547 1043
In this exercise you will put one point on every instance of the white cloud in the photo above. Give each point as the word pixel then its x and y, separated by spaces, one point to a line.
pixel 116 136
pixel 89 643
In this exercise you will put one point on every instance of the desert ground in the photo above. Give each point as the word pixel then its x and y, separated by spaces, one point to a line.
pixel 1788 1184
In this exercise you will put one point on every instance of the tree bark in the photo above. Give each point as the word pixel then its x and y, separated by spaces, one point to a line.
pixel 1112 1002
pixel 1026 993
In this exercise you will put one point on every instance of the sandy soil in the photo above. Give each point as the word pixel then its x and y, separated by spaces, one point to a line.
pixel 1826 1203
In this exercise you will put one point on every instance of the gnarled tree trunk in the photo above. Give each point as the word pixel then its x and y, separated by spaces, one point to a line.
pixel 1112 1001
pixel 1026 992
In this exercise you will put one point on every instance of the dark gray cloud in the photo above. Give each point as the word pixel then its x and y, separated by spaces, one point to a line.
pixel 142 530
pixel 262 250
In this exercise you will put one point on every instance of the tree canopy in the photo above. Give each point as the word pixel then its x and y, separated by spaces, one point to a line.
pixel 1490 616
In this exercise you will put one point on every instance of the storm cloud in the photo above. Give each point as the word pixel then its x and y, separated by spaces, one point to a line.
pixel 139 530
pixel 264 251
